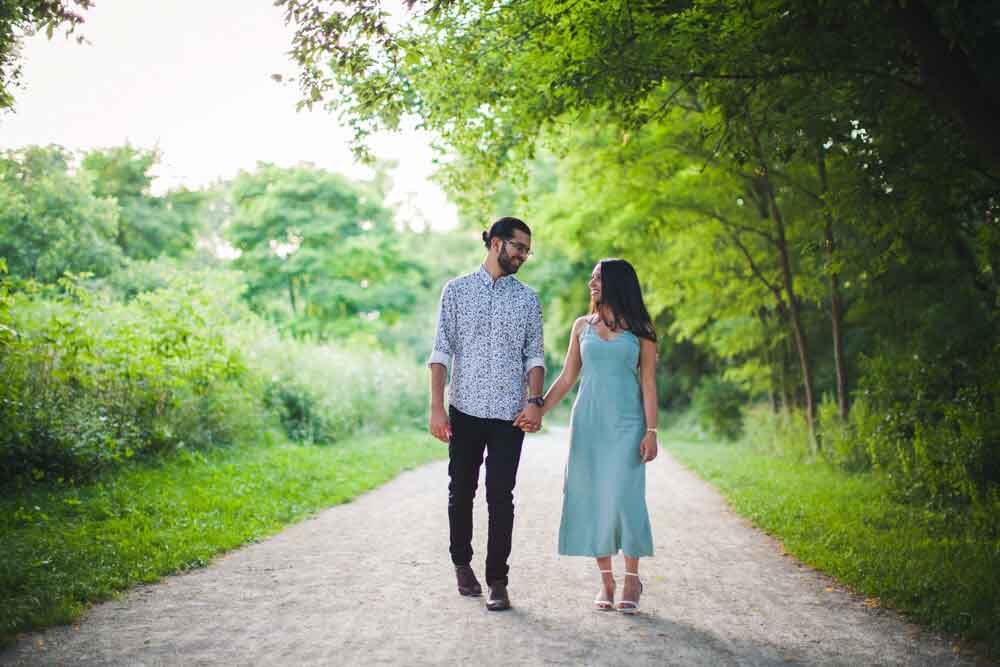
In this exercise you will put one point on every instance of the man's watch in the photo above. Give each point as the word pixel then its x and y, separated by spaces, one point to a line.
pixel 537 400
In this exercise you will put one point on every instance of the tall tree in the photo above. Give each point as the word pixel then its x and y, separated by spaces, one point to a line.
pixel 492 74
pixel 320 252
pixel 50 220
pixel 862 129
pixel 149 225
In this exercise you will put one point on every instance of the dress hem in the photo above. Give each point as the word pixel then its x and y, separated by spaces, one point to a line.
pixel 589 554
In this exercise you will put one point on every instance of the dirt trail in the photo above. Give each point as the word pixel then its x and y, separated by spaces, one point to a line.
pixel 370 583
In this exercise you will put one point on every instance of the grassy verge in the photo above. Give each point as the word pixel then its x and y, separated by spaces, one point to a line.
pixel 905 557
pixel 64 548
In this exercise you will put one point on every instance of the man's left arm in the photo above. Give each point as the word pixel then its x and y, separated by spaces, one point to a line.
pixel 536 382
pixel 534 362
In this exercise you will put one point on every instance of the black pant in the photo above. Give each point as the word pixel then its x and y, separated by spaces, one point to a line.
pixel 502 441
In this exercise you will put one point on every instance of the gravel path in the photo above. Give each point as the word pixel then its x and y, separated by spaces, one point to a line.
pixel 370 582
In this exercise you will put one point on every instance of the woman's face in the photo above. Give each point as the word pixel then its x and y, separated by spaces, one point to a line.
pixel 595 283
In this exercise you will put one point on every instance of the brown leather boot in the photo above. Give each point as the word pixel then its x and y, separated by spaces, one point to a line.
pixel 467 582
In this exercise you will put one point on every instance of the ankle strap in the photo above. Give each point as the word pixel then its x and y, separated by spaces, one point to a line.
pixel 632 574
pixel 607 571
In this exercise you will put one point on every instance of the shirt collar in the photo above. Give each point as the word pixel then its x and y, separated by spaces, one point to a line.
pixel 487 279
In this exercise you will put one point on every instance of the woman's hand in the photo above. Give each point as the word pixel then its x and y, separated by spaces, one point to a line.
pixel 648 448
pixel 529 419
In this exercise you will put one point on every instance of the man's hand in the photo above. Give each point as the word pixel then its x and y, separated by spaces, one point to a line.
pixel 529 420
pixel 439 426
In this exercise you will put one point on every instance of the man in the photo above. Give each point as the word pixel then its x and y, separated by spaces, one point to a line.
pixel 490 335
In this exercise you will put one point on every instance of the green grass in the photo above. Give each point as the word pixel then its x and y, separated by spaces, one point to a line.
pixel 63 548
pixel 917 561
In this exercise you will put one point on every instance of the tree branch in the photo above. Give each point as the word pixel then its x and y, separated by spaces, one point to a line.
pixel 950 83
pixel 774 289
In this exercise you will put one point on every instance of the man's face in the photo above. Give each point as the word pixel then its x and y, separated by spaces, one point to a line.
pixel 514 252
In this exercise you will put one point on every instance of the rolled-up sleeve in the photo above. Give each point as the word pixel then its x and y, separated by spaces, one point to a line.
pixel 534 350
pixel 442 352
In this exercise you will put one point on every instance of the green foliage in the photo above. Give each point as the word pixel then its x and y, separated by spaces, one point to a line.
pixel 938 425
pixel 719 406
pixel 756 212
pixel 846 442
pixel 443 255
pixel 68 546
pixel 91 384
pixel 7 332
pixel 148 226
pixel 135 277
pixel 55 217
pixel 782 434
pixel 158 351
pixel 681 365
pixel 320 253
pixel 50 220
pixel 323 394
pixel 540 61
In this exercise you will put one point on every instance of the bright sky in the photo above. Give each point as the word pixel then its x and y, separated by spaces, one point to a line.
pixel 194 78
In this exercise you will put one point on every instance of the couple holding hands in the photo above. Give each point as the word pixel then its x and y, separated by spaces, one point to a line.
pixel 489 335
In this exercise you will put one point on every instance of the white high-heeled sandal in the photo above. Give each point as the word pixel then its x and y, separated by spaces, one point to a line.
pixel 627 606
pixel 600 603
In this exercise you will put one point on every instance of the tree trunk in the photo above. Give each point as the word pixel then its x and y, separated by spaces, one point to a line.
pixel 291 295
pixel 793 310
pixel 836 303
pixel 770 360
pixel 786 396
pixel 794 316
pixel 121 239
pixel 949 80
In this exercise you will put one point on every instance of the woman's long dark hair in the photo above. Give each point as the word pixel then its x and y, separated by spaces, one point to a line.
pixel 622 296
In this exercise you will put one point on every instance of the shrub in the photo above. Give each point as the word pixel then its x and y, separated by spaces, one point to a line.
pixel 137 276
pixel 7 331
pixel 845 442
pixel 719 404
pixel 322 393
pixel 937 434
pixel 783 433
pixel 90 383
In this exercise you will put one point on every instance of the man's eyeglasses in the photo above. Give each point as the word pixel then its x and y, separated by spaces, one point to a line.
pixel 520 247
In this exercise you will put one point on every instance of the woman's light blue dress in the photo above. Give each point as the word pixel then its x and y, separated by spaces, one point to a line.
pixel 604 495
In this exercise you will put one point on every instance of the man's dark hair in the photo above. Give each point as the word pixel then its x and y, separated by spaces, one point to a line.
pixel 504 229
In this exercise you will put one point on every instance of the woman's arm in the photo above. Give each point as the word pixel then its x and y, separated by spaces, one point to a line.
pixel 647 380
pixel 570 370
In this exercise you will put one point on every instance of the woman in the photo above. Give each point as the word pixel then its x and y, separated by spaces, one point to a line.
pixel 613 431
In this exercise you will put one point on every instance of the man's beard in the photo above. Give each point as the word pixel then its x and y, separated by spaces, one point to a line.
pixel 505 262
